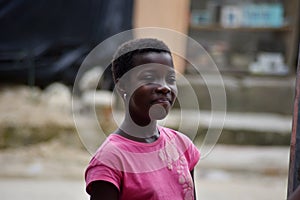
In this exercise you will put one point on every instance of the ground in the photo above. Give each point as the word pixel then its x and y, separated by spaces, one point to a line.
pixel 54 170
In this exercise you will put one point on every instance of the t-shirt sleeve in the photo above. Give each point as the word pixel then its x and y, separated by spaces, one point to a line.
pixel 193 156
pixel 97 171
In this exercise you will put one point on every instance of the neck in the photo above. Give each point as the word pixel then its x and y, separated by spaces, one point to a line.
pixel 139 131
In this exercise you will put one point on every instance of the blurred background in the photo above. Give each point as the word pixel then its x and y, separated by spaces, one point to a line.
pixel 43 44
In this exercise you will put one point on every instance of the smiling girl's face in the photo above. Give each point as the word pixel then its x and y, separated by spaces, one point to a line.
pixel 150 87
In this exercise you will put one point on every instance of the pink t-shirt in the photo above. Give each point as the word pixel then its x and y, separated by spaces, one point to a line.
pixel 146 171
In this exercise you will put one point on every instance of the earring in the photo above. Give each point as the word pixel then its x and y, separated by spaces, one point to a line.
pixel 124 95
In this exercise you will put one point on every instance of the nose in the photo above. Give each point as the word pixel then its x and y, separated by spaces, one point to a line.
pixel 163 89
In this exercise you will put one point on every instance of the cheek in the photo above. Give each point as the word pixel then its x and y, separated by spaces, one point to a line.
pixel 139 95
pixel 174 91
pixel 134 87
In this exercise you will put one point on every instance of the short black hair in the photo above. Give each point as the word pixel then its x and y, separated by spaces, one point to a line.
pixel 123 58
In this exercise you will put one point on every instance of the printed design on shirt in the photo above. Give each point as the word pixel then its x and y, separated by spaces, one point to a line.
pixel 170 155
pixel 185 179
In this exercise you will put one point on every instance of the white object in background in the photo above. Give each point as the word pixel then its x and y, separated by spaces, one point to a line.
pixel 99 98
pixel 58 96
pixel 90 78
pixel 269 63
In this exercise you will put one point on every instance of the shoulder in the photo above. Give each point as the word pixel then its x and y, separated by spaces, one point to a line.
pixel 105 164
pixel 111 144
pixel 176 135
pixel 104 169
pixel 184 145
pixel 108 152
pixel 182 142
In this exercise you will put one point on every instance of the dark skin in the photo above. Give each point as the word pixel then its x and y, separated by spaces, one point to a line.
pixel 103 190
pixel 295 195
pixel 152 79
pixel 146 93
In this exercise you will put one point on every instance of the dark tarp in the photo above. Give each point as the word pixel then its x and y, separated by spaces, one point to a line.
pixel 45 41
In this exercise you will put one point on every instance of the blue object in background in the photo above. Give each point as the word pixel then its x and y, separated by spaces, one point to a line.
pixel 263 15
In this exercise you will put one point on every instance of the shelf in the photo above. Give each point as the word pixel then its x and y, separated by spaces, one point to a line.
pixel 249 73
pixel 240 72
pixel 246 29
pixel 225 41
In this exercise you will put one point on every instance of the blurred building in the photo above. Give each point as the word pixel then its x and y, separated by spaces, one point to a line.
pixel 253 43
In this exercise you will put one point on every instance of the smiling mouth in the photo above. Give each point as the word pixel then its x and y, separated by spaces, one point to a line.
pixel 161 101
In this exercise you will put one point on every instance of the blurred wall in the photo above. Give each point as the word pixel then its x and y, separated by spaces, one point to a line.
pixel 171 14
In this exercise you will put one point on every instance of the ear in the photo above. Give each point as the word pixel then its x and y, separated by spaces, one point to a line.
pixel 120 87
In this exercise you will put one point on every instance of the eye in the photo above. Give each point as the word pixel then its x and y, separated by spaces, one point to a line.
pixel 148 77
pixel 171 79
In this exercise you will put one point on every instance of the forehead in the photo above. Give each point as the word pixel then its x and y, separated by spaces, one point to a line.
pixel 162 58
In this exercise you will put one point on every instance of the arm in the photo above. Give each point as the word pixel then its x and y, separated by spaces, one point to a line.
pixel 103 190
pixel 192 174
pixel 295 195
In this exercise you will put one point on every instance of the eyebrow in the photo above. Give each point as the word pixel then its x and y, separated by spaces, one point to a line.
pixel 155 71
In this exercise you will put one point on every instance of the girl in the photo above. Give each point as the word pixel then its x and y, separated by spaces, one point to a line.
pixel 141 160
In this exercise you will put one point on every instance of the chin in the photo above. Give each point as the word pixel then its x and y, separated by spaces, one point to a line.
pixel 158 117
pixel 158 112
